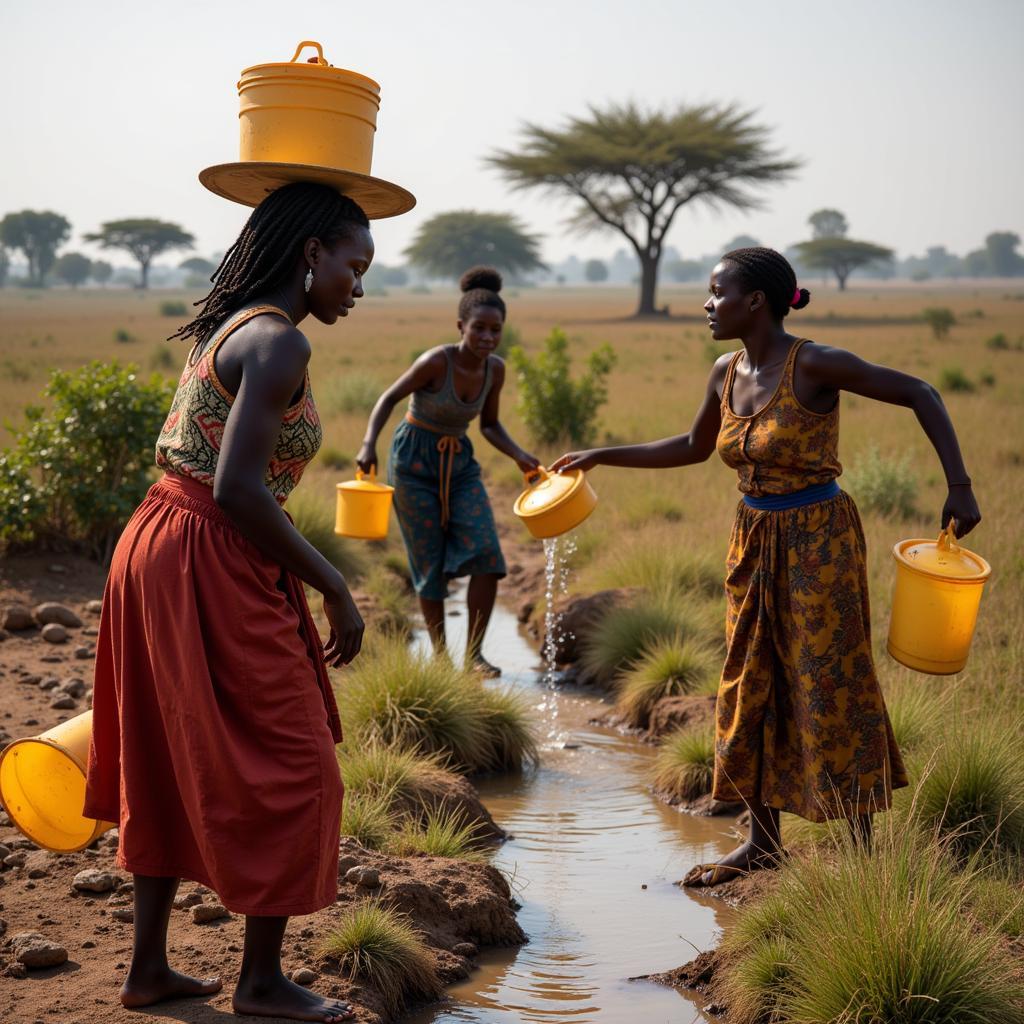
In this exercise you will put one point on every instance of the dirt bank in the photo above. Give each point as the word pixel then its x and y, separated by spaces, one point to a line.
pixel 459 907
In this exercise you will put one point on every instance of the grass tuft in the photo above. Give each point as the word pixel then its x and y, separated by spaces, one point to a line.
pixel 353 393
pixel 885 486
pixel 314 519
pixel 685 764
pixel 952 378
pixel 373 943
pixel 669 667
pixel 440 833
pixel 369 819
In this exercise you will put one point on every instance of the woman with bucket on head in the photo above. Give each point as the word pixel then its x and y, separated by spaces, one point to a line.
pixel 801 723
pixel 214 721
pixel 442 507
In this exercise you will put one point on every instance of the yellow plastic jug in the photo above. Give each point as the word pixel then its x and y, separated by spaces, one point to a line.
pixel 935 604
pixel 42 785
pixel 554 503
pixel 363 507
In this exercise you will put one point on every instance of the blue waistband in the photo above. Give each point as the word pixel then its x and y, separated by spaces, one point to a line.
pixel 796 499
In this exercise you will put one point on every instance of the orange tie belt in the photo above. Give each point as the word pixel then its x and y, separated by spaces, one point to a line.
pixel 448 446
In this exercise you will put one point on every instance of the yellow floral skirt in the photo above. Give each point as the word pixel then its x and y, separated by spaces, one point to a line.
pixel 801 722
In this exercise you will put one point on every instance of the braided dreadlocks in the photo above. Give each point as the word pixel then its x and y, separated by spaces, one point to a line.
pixel 761 269
pixel 268 247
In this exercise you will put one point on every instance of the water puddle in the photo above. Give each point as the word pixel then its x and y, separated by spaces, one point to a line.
pixel 592 860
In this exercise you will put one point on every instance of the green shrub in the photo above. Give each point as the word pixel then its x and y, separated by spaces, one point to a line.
pixel 172 307
pixel 987 379
pixel 373 943
pixel 124 337
pixel 885 938
pixel 78 470
pixel 334 458
pixel 884 486
pixel 354 392
pixel 997 342
pixel 164 358
pixel 667 668
pixel 314 519
pixel 685 764
pixel 510 338
pixel 972 791
pixel 952 378
pixel 440 833
pixel 939 319
pixel 555 408
pixel 419 702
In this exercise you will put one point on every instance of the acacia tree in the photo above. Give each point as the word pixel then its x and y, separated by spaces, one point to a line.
pixel 449 243
pixel 595 271
pixel 632 171
pixel 828 224
pixel 73 268
pixel 38 234
pixel 836 252
pixel 144 238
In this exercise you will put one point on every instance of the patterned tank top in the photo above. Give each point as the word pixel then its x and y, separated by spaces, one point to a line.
pixel 443 410
pixel 783 447
pixel 189 443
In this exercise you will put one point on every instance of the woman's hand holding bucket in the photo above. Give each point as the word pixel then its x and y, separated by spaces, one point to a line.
pixel 347 627
pixel 962 508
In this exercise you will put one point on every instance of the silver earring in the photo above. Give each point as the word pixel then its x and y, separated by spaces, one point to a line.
pixel 308 283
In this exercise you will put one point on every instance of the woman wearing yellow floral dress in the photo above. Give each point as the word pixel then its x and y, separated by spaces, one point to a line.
pixel 801 722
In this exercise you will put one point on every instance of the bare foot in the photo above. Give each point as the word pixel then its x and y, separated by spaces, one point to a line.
pixel 280 997
pixel 484 668
pixel 139 990
pixel 741 861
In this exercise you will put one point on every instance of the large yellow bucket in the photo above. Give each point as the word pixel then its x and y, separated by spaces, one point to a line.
pixel 935 604
pixel 554 503
pixel 42 785
pixel 308 114
pixel 363 507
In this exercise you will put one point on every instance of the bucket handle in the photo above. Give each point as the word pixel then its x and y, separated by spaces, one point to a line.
pixel 947 539
pixel 360 475
pixel 535 476
pixel 319 52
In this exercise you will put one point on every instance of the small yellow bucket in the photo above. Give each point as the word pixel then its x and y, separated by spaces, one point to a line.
pixel 42 785
pixel 554 503
pixel 935 604
pixel 363 507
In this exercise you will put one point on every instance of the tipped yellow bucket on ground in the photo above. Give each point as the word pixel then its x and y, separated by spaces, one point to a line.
pixel 42 785
pixel 935 604
pixel 363 508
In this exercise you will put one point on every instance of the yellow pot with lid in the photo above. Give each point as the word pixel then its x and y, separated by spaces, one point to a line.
pixel 935 604
pixel 363 507
pixel 554 503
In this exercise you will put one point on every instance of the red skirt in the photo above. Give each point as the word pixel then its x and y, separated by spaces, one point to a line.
pixel 214 723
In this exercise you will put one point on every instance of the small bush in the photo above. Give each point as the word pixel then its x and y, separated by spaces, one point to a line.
pixel 667 668
pixel 354 392
pixel 78 470
pixel 403 776
pixel 555 408
pixel 441 833
pixel 884 486
pixel 685 764
pixel 163 358
pixel 997 342
pixel 373 943
pixel 940 319
pixel 124 337
pixel 952 378
pixel 419 702
pixel 987 379
pixel 973 791
pixel 172 307
pixel 314 519
pixel 369 819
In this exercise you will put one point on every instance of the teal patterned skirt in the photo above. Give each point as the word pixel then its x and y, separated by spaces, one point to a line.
pixel 468 544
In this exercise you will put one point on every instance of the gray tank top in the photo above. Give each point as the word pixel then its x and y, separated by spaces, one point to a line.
pixel 443 410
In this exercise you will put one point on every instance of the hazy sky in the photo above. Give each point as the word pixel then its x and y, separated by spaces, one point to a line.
pixel 907 112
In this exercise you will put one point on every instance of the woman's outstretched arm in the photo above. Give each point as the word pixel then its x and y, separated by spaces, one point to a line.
pixel 491 426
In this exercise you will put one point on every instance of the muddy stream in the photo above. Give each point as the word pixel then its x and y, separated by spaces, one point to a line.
pixel 587 837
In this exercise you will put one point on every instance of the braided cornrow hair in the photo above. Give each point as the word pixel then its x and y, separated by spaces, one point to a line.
pixel 268 247
pixel 761 269
pixel 480 287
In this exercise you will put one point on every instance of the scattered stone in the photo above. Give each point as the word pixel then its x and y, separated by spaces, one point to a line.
pixel 123 914
pixel 74 687
pixel 30 680
pixel 55 633
pixel 64 703
pixel 16 971
pixel 88 944
pixel 366 878
pixel 466 949
pixel 189 899
pixel 94 880
pixel 15 860
pixel 30 721
pixel 203 913
pixel 36 951
pixel 5 851
pixel 49 683
pixel 16 617
pixel 37 864
pixel 5 819
pixel 94 607
pixel 304 976
pixel 90 631
pixel 345 864
pixel 52 659
pixel 51 611
pixel 84 653
pixel 715 1009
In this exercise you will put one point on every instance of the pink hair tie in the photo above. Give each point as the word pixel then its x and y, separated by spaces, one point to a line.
pixel 796 298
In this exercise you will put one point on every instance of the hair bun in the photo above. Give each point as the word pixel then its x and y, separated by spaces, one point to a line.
pixel 481 277
pixel 805 297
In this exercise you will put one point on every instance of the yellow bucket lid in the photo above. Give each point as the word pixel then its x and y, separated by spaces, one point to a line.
pixel 550 491
pixel 943 558
pixel 364 484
